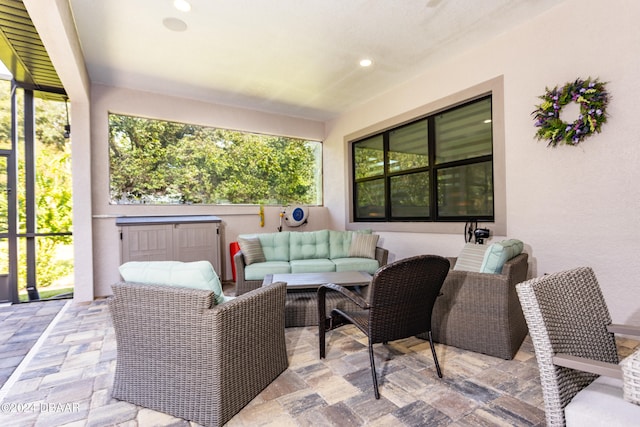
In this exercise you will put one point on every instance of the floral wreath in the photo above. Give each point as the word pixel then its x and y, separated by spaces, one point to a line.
pixel 592 98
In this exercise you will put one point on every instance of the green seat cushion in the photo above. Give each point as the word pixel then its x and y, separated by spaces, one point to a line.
pixel 196 275
pixel 356 264
pixel 309 245
pixel 312 266
pixel 470 258
pixel 499 253
pixel 258 270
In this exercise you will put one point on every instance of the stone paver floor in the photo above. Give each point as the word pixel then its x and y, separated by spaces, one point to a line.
pixel 21 326
pixel 67 381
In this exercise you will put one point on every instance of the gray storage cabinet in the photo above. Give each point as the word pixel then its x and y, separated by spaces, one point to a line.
pixel 170 238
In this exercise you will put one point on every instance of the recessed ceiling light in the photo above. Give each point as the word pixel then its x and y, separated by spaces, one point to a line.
pixel 366 62
pixel 174 24
pixel 182 5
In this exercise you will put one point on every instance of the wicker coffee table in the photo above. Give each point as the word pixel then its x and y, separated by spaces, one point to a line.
pixel 301 307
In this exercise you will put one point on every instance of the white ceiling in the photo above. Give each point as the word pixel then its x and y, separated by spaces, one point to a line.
pixel 292 57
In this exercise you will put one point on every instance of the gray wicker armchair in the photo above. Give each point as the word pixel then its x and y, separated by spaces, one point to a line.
pixel 480 311
pixel 574 343
pixel 180 354
pixel 401 298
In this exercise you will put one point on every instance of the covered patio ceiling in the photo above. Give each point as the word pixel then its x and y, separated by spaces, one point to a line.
pixel 23 53
pixel 290 57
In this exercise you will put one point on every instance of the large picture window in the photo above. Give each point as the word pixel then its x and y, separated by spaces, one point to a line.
pixel 162 162
pixel 435 168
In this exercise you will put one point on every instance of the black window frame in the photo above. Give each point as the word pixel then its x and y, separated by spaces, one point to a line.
pixel 432 170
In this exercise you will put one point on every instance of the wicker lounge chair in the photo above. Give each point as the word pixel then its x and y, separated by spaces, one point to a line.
pixel 574 343
pixel 180 354
pixel 481 312
pixel 401 299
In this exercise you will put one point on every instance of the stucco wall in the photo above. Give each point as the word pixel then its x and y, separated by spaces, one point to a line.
pixel 572 206
pixel 235 219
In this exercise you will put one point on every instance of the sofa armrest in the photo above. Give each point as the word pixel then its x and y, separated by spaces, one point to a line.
pixel 382 255
pixel 516 269
pixel 242 285
pixel 255 321
pixel 173 342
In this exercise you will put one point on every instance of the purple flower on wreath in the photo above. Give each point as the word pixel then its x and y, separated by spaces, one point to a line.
pixel 590 94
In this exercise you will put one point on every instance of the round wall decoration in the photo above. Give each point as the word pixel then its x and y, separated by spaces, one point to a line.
pixel 592 99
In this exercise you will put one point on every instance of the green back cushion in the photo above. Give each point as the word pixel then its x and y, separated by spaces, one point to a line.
pixel 196 275
pixel 275 246
pixel 340 242
pixel 499 253
pixel 471 257
pixel 309 245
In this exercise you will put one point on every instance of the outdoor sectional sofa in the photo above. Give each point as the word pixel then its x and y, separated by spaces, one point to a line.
pixel 304 252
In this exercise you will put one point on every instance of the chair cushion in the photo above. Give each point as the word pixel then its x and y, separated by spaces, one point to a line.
pixel 196 275
pixel 499 253
pixel 251 249
pixel 601 403
pixel 470 258
pixel 363 245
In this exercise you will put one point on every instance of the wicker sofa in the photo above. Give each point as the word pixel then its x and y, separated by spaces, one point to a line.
pixel 481 312
pixel 179 353
pixel 305 252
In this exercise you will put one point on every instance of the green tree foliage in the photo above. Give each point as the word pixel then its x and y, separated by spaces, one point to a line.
pixel 153 161
pixel 53 185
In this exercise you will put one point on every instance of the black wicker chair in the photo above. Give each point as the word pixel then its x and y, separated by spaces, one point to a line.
pixel 401 299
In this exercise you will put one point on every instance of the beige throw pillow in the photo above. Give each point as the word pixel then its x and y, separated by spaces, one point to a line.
pixel 470 258
pixel 251 250
pixel 363 245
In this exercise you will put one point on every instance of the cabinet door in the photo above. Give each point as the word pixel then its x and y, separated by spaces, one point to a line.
pixel 147 243
pixel 197 242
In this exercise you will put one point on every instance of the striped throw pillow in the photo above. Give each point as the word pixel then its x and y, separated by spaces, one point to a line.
pixel 363 245
pixel 471 257
pixel 251 250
